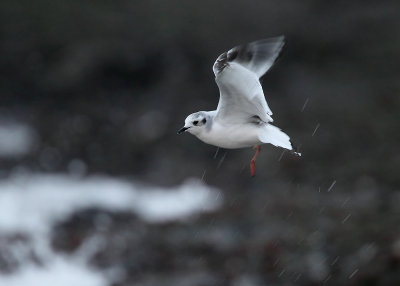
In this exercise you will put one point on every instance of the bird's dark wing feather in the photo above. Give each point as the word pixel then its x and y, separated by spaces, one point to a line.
pixel 257 56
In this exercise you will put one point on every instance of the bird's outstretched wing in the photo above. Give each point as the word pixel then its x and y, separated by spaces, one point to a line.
pixel 237 74
pixel 256 56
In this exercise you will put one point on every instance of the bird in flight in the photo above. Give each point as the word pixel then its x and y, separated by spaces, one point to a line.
pixel 242 118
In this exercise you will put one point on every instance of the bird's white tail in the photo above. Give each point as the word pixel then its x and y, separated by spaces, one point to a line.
pixel 273 135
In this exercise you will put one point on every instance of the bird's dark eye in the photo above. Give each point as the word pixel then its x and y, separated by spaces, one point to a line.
pixel 204 121
pixel 195 122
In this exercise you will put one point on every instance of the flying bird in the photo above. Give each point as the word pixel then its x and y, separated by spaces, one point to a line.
pixel 242 118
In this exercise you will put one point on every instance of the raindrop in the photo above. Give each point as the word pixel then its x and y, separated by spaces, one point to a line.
pixel 327 278
pixel 298 277
pixel 282 272
pixel 316 128
pixel 204 174
pixel 345 201
pixel 335 260
pixel 305 104
pixel 346 218
pixel 216 153
pixel 222 160
pixel 276 262
pixel 331 187
pixel 280 157
pixel 354 273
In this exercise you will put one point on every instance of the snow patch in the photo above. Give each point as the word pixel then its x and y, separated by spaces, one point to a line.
pixel 35 202
pixel 60 272
pixel 32 204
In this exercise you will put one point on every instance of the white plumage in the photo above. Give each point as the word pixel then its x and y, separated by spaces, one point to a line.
pixel 243 117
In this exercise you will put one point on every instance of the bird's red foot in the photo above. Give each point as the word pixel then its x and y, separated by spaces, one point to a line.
pixel 253 168
pixel 253 160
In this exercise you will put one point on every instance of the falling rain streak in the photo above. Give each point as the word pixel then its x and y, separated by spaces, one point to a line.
pixel 315 130
pixel 335 260
pixel 346 218
pixel 327 278
pixel 276 262
pixel 216 153
pixel 282 272
pixel 305 104
pixel 222 160
pixel 345 201
pixel 354 273
pixel 280 157
pixel 298 277
pixel 331 187
pixel 204 174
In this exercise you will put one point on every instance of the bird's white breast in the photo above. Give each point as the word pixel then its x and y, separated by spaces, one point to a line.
pixel 231 136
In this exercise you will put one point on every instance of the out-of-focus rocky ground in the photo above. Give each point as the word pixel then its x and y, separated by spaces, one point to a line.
pixel 102 87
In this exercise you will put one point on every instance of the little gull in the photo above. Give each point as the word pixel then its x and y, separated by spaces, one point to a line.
pixel 242 118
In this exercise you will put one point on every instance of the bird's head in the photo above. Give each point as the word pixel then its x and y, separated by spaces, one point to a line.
pixel 195 123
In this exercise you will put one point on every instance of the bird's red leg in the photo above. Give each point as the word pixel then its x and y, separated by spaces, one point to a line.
pixel 253 160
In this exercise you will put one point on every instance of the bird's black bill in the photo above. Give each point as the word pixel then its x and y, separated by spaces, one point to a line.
pixel 183 129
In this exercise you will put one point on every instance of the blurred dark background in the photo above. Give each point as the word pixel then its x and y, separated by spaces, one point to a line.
pixel 106 85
